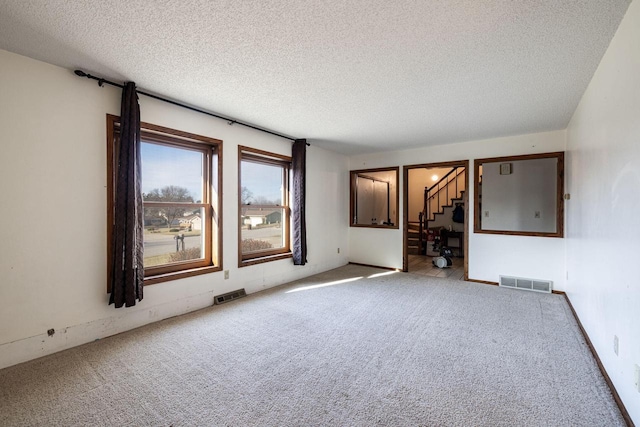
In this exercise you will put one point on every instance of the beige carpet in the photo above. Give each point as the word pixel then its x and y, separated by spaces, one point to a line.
pixel 351 347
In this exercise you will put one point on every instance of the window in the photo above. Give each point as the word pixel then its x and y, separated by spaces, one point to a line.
pixel 180 186
pixel 263 233
pixel 520 195
pixel 374 198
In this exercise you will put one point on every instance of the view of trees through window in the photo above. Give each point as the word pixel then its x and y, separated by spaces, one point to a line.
pixel 180 184
pixel 264 210
pixel 172 198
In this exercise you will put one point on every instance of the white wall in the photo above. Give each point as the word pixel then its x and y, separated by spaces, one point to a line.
pixel 510 202
pixel 53 177
pixel 489 255
pixel 603 225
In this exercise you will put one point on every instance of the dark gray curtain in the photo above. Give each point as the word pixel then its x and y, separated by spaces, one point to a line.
pixel 299 169
pixel 127 271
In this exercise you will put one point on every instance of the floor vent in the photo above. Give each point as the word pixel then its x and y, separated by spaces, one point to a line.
pixel 230 296
pixel 526 284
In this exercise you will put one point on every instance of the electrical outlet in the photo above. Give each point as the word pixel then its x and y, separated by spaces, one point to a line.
pixel 615 344
pixel 637 377
pixel 226 274
pixel 338 250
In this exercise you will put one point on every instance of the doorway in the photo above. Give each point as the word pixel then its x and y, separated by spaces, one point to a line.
pixel 436 218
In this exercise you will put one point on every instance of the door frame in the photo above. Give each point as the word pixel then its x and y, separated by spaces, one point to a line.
pixel 405 209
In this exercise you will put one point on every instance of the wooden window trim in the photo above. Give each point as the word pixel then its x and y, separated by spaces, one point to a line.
pixel 559 233
pixel 353 191
pixel 255 155
pixel 210 147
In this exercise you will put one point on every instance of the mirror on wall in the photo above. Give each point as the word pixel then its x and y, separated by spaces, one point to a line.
pixel 520 195
pixel 374 198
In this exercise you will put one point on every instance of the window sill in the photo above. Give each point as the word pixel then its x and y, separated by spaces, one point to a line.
pixel 267 258
pixel 159 278
pixel 391 227
pixel 521 233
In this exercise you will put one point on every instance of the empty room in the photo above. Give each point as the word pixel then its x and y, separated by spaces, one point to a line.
pixel 320 213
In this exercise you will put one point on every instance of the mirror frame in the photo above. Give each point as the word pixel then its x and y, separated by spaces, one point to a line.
pixel 559 194
pixel 353 193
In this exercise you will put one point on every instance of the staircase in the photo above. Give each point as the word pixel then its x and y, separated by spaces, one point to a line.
pixel 444 193
pixel 413 238
pixel 442 218
pixel 440 201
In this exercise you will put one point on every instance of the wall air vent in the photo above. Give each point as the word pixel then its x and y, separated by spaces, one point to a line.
pixel 229 296
pixel 526 284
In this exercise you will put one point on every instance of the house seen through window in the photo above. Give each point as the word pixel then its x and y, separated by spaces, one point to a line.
pixel 172 193
pixel 264 206
pixel 180 201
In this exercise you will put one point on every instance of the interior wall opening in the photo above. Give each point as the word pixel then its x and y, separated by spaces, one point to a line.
pixel 435 218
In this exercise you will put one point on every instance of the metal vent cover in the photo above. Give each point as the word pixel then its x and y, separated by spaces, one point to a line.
pixel 229 296
pixel 535 285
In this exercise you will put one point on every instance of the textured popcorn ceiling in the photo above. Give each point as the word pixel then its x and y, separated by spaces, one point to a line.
pixel 352 76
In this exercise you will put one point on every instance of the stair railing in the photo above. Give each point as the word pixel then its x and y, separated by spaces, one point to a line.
pixel 450 179
pixel 421 237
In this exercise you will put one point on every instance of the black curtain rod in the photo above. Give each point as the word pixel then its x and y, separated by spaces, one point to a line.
pixel 102 82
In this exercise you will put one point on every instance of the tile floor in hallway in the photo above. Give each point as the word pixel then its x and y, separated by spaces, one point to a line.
pixel 421 264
